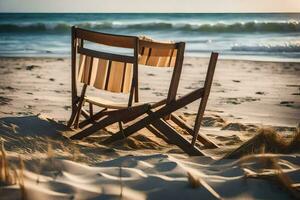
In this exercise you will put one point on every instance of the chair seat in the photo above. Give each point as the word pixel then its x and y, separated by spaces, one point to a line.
pixel 105 103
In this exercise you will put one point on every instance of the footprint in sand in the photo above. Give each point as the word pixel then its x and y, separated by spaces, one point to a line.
pixel 190 87
pixel 287 103
pixel 159 94
pixel 67 107
pixel 240 127
pixel 296 93
pixel 260 93
pixel 236 81
pixel 235 100
pixel 31 67
pixel 4 101
pixel 217 84
pixel 212 121
pixel 11 89
pixel 230 140
pixel 145 88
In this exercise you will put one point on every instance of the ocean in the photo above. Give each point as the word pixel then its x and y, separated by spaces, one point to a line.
pixel 272 37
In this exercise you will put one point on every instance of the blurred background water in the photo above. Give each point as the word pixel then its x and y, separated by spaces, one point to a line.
pixel 274 37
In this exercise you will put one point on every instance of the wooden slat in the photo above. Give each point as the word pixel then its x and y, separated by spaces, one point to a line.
pixel 165 60
pixel 115 77
pixel 93 71
pixel 107 39
pixel 100 76
pixel 86 70
pixel 106 56
pixel 143 56
pixel 81 67
pixel 173 58
pixel 107 75
pixel 153 58
pixel 127 78
pixel 158 45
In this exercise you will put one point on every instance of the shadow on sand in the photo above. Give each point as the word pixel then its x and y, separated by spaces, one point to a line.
pixel 31 126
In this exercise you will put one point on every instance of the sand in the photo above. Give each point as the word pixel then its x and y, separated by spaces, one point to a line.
pixel 245 96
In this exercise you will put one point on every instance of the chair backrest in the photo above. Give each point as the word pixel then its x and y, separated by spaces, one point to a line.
pixel 102 70
pixel 114 72
pixel 163 54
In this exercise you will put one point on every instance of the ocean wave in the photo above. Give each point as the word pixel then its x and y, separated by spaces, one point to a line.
pixel 247 27
pixel 288 47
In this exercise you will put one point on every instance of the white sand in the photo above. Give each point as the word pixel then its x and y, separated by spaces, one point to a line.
pixel 156 176
pixel 245 95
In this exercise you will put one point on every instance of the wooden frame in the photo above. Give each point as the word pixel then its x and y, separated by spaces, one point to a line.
pixel 106 116
pixel 158 122
pixel 159 114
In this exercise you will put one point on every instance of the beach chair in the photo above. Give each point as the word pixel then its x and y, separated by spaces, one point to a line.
pixel 155 54
pixel 158 120
pixel 115 73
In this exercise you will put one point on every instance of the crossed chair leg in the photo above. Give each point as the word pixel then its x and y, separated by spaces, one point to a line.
pixel 156 119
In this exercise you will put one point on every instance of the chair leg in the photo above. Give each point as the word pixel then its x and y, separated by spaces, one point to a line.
pixel 112 118
pixel 78 111
pixel 121 128
pixel 162 112
pixel 71 120
pixel 92 119
pixel 91 110
pixel 81 104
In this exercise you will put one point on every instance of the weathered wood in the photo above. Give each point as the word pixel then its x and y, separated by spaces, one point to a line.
pixel 136 72
pixel 156 44
pixel 164 111
pixel 118 116
pixel 176 73
pixel 106 39
pixel 207 86
pixel 92 119
pixel 73 76
pixel 80 104
pixel 176 138
pixel 106 56
pixel 157 133
pixel 201 138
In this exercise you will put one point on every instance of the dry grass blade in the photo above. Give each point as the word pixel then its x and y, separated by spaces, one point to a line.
pixel 121 183
pixel 196 182
pixel 268 141
pixel 5 177
pixel 276 174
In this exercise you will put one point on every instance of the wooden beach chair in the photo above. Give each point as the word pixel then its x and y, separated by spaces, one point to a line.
pixel 155 54
pixel 158 120
pixel 116 73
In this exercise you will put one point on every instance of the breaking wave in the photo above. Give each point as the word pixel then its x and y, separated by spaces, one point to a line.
pixel 247 27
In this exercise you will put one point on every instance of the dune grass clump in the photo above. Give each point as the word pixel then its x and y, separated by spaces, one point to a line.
pixel 268 141
pixel 9 174
pixel 197 182
pixel 271 171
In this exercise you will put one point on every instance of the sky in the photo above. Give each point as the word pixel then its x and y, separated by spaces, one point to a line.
pixel 215 6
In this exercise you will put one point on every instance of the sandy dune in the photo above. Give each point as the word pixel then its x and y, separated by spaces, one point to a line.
pixel 246 95
pixel 155 176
